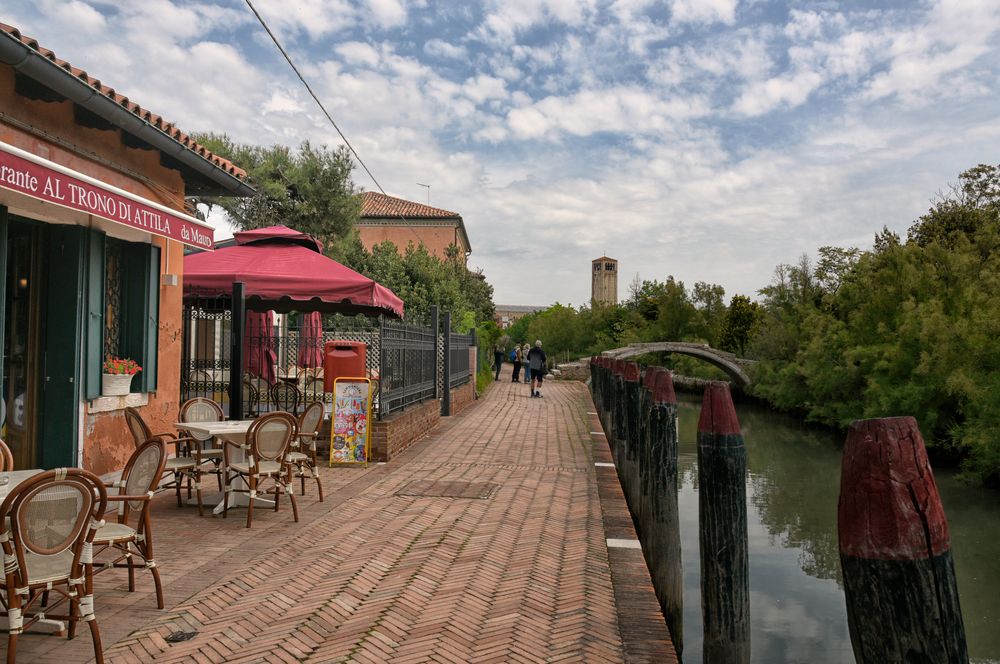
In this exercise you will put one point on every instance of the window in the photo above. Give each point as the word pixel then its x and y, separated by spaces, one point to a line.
pixel 123 304
pixel 597 267
pixel 610 267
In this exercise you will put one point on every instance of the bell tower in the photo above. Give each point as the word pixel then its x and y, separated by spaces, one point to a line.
pixel 604 280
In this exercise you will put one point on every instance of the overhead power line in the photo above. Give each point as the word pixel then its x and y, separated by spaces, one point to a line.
pixel 313 94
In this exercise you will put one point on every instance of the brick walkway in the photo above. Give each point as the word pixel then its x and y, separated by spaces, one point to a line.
pixel 377 574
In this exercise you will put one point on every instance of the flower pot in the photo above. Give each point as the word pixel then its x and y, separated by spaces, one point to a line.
pixel 115 385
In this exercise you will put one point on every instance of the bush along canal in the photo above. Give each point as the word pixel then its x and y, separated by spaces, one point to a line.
pixel 798 611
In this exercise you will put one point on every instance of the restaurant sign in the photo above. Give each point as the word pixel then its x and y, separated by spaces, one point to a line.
pixel 39 178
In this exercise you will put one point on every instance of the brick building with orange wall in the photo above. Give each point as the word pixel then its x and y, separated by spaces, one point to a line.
pixel 92 229
pixel 402 222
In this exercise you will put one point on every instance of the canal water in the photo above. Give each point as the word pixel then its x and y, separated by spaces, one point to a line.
pixel 797 609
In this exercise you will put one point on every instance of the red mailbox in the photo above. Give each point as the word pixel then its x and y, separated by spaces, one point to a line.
pixel 343 359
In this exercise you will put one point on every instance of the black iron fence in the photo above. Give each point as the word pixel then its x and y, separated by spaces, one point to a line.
pixel 408 365
pixel 460 366
pixel 282 358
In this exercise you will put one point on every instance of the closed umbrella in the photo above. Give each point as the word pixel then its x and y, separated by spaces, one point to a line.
pixel 310 353
pixel 258 346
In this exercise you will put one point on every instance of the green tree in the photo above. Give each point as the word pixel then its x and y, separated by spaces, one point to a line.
pixel 741 319
pixel 309 189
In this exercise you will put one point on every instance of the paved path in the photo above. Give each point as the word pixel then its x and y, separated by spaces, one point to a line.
pixel 389 568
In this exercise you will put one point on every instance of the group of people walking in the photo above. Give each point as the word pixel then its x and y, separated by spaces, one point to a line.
pixel 532 359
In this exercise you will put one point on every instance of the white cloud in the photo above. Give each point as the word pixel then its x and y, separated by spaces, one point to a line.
pixel 282 102
pixel 703 11
pixel 359 53
pixel 483 87
pixel 315 18
pixel 955 35
pixel 780 91
pixel 387 13
pixel 443 49
pixel 506 18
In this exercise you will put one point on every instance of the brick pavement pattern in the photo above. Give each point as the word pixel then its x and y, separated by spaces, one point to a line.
pixel 391 567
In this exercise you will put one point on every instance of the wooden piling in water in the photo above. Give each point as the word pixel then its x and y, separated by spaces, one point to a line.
pixel 722 514
pixel 645 461
pixel 662 516
pixel 632 439
pixel 895 549
pixel 617 412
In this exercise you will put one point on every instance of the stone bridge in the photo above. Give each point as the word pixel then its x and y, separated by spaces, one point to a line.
pixel 735 367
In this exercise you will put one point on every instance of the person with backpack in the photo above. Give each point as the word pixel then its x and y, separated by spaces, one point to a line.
pixel 497 360
pixel 536 364
pixel 516 357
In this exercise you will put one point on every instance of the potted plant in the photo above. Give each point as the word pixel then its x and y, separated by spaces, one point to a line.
pixel 117 378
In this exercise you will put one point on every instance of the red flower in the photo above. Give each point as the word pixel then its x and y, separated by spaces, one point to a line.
pixel 121 366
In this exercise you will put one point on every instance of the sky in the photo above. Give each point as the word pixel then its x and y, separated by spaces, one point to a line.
pixel 710 140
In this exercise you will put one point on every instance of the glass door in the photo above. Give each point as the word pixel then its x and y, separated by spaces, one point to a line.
pixel 21 347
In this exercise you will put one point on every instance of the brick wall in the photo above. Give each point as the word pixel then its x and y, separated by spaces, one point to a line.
pixel 399 430
pixel 462 397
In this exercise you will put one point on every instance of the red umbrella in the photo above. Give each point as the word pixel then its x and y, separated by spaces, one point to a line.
pixel 284 270
pixel 258 346
pixel 310 340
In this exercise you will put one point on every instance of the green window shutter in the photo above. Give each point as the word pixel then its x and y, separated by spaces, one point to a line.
pixel 94 350
pixel 152 341
pixel 141 310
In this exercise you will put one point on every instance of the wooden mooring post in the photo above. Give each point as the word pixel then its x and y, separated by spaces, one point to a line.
pixel 660 520
pixel 629 470
pixel 895 550
pixel 722 514
pixel 617 412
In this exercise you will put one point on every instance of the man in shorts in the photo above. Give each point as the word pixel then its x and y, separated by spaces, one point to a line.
pixel 536 359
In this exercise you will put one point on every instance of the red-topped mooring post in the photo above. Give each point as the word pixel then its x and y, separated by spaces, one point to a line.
pixel 895 550
pixel 661 519
pixel 722 514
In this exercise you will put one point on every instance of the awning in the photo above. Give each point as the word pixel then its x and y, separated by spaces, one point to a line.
pixel 45 180
pixel 283 270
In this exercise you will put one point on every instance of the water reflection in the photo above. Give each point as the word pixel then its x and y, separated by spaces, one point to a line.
pixel 796 602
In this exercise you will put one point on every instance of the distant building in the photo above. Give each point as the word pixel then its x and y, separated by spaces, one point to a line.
pixel 507 314
pixel 402 222
pixel 604 280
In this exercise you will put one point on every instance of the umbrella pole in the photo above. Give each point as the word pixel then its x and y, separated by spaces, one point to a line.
pixel 239 313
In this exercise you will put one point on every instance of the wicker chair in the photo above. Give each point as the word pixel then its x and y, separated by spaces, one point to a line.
pixel 251 399
pixel 49 522
pixel 199 382
pixel 265 450
pixel 286 397
pixel 6 458
pixel 302 453
pixel 182 465
pixel 204 449
pixel 139 480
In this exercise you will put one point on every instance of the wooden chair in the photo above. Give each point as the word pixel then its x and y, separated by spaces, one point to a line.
pixel 182 465
pixel 6 458
pixel 302 450
pixel 203 449
pixel 264 454
pixel 286 397
pixel 138 482
pixel 49 522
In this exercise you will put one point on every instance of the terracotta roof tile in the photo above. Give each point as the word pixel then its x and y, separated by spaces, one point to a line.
pixel 123 101
pixel 376 205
